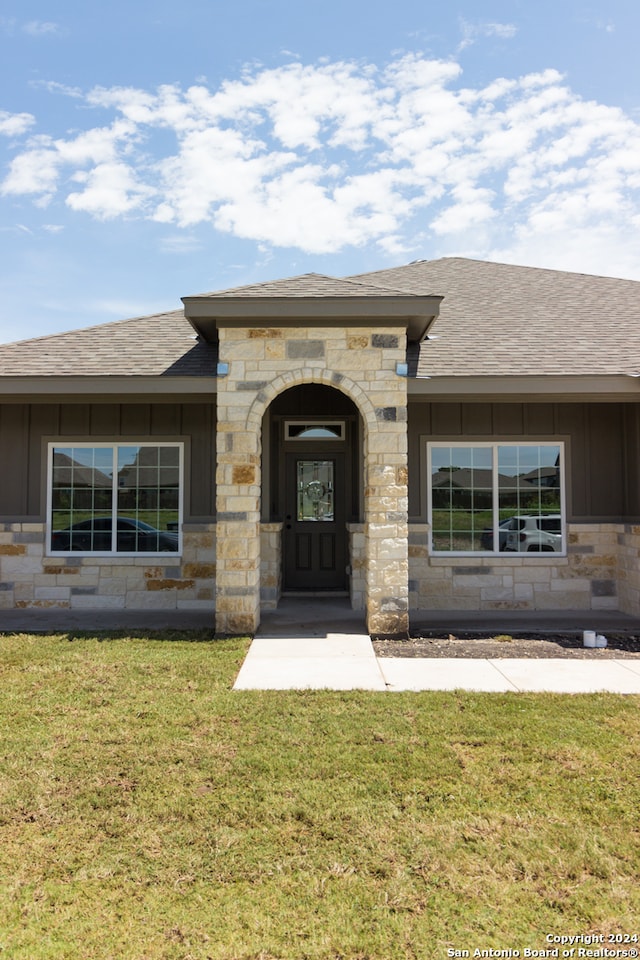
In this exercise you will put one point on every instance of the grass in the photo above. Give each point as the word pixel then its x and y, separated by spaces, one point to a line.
pixel 148 811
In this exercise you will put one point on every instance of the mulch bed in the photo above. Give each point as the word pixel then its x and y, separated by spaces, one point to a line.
pixel 493 647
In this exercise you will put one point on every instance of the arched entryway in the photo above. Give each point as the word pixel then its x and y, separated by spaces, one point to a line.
pixel 312 486
pixel 365 368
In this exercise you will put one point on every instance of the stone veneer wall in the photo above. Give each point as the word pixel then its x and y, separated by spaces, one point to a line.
pixel 600 572
pixel 270 564
pixel 263 362
pixel 28 578
pixel 596 574
pixel 629 568
pixel 357 565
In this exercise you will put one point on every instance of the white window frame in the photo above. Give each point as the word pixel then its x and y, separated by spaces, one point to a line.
pixel 114 445
pixel 494 445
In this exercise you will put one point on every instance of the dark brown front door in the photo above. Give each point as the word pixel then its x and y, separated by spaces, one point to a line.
pixel 315 533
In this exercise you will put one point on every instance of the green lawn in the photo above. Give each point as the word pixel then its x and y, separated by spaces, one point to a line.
pixel 147 811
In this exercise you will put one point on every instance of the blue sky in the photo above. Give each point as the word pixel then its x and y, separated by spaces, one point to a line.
pixel 151 150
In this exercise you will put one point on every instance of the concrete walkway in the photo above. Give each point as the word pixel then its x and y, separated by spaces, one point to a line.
pixel 341 662
pixel 499 676
pixel 311 644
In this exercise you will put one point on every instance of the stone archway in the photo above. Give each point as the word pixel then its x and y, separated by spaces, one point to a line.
pixel 363 367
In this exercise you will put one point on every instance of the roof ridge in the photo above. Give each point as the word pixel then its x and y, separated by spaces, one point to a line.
pixel 494 263
pixel 357 281
pixel 524 266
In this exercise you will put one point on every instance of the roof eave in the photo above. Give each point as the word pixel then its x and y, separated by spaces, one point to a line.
pixel 416 313
pixel 518 388
pixel 107 386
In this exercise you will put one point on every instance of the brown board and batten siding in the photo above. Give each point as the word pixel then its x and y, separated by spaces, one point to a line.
pixel 602 447
pixel 632 459
pixel 26 428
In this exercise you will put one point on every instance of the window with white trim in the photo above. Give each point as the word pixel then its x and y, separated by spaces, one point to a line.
pixel 496 497
pixel 115 498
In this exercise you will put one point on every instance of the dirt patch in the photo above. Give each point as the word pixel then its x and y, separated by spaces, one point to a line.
pixel 491 646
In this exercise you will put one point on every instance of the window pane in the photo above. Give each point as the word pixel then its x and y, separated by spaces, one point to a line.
pixel 146 480
pixel 530 490
pixel 458 458
pixel 530 481
pixel 82 479
pixel 148 499
pixel 526 478
pixel 169 457
pixel 314 479
pixel 461 497
pixel 314 431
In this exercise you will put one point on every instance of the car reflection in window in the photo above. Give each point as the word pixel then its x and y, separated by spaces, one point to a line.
pixel 536 534
pixel 133 536
pixel 486 538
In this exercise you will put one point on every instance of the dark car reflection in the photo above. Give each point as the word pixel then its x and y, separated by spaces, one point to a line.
pixel 486 537
pixel 133 536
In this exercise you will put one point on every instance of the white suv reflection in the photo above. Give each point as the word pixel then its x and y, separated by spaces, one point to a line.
pixel 535 534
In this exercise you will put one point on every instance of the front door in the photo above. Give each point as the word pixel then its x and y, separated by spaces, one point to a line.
pixel 315 551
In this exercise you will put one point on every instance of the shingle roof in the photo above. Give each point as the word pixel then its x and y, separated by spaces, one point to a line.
pixel 162 344
pixel 308 285
pixel 495 319
pixel 498 319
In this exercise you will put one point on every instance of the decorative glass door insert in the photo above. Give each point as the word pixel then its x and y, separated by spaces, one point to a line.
pixel 315 490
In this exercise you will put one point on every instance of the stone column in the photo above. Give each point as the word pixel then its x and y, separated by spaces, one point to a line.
pixel 386 514
pixel 237 500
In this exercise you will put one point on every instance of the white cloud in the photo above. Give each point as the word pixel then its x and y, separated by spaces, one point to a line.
pixel 37 170
pixel 109 190
pixel 321 157
pixel 474 31
pixel 53 86
pixel 180 243
pixel 15 124
pixel 34 171
pixel 472 206
pixel 41 28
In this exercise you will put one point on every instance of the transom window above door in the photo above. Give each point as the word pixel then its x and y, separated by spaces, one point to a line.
pixel 320 430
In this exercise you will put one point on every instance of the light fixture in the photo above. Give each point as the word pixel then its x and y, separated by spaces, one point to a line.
pixel 222 369
pixel 402 369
